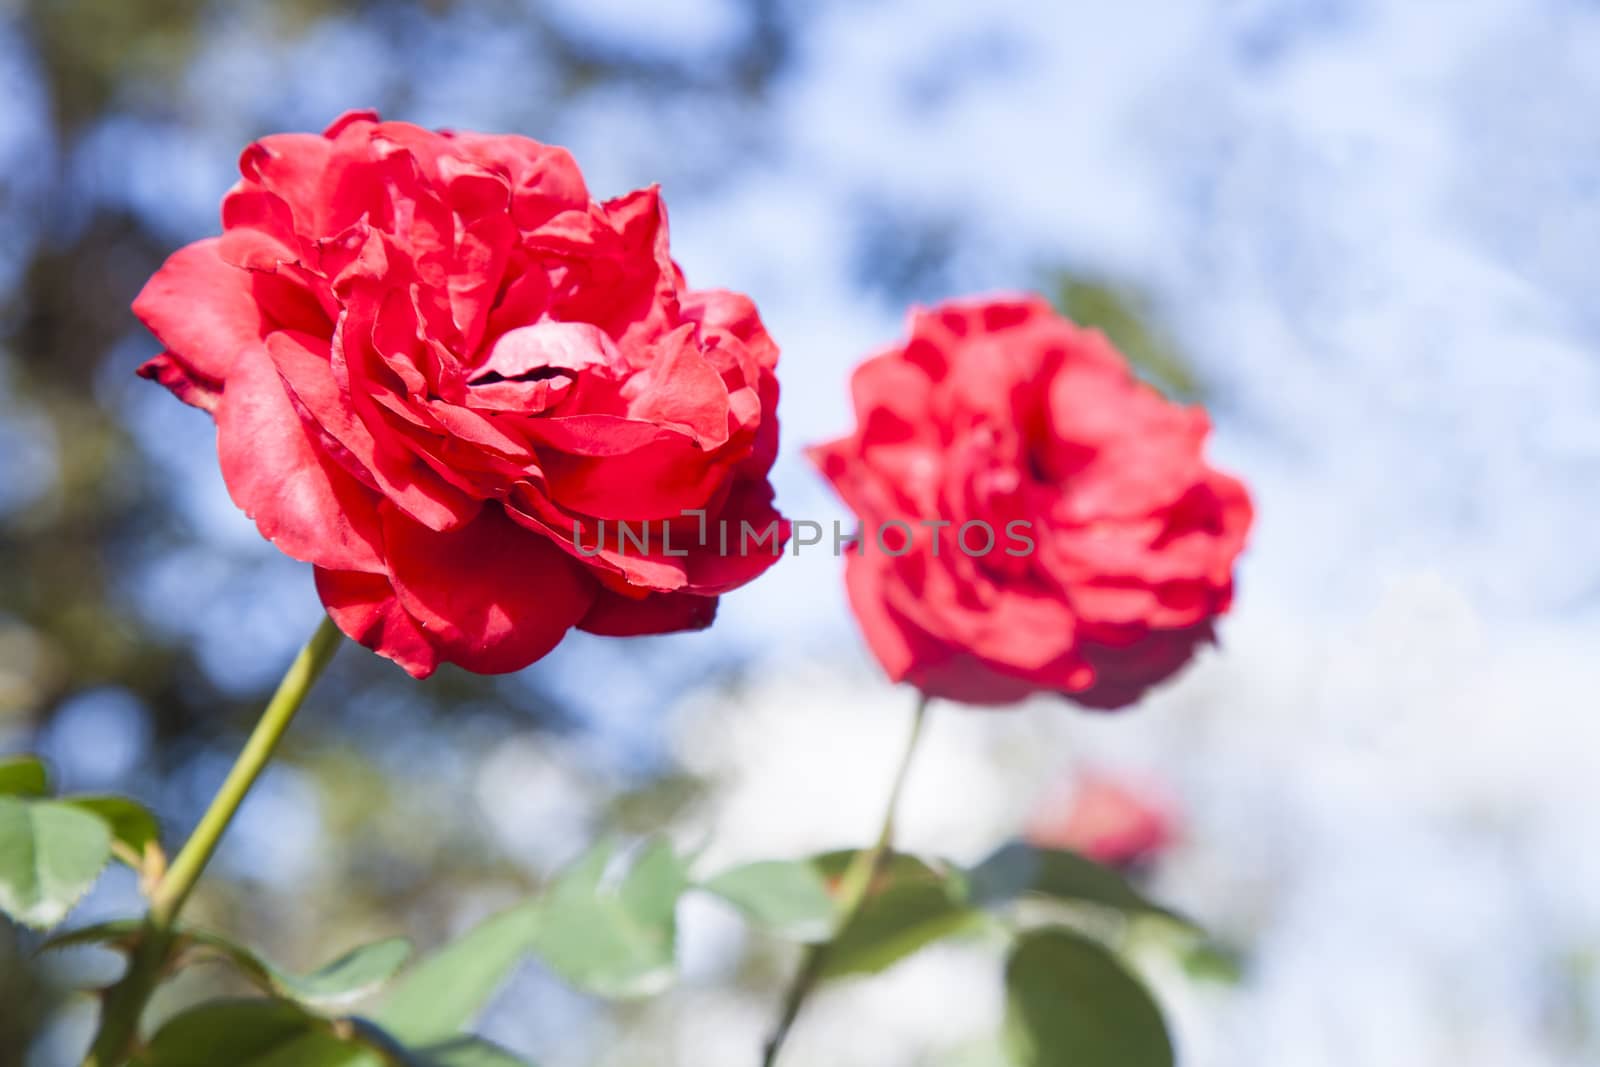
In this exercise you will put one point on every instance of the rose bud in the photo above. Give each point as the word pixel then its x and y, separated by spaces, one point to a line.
pixel 1109 821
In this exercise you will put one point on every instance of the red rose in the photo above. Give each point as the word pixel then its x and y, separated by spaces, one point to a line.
pixel 1087 546
pixel 1108 821
pixel 437 366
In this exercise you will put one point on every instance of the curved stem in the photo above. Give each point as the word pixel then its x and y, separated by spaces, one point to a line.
pixel 854 889
pixel 125 1002
pixel 185 871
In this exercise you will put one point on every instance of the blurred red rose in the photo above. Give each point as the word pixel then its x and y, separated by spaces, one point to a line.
pixel 1109 821
pixel 1086 545
pixel 437 365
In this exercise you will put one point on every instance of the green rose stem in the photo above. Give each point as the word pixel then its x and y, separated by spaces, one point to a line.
pixel 125 1002
pixel 854 889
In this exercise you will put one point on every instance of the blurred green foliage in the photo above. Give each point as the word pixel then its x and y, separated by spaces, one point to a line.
pixel 91 48
pixel 1122 315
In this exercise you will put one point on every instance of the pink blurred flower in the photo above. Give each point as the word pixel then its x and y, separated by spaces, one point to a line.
pixel 1110 820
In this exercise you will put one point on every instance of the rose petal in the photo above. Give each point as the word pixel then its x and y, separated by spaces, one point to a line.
pixel 683 390
pixel 615 615
pixel 186 385
pixel 544 178
pixel 494 596
pixel 292 165
pixel 366 608
pixel 301 500
pixel 303 361
pixel 201 309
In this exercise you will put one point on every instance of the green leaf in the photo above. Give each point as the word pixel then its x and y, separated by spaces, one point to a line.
pixel 349 978
pixel 355 975
pixel 650 890
pixel 899 867
pixel 1071 1004
pixel 449 989
pixel 131 823
pixel 23 776
pixel 989 1050
pixel 614 940
pixel 893 924
pixel 252 1033
pixel 1123 318
pixel 1213 961
pixel 459 1050
pixel 909 905
pixel 463 1051
pixel 352 976
pixel 278 1033
pixel 50 854
pixel 1018 869
pixel 788 898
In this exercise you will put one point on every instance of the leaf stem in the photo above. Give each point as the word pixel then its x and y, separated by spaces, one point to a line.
pixel 854 889
pixel 125 1002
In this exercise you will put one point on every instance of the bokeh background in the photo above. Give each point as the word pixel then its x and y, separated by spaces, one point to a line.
pixel 1365 233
